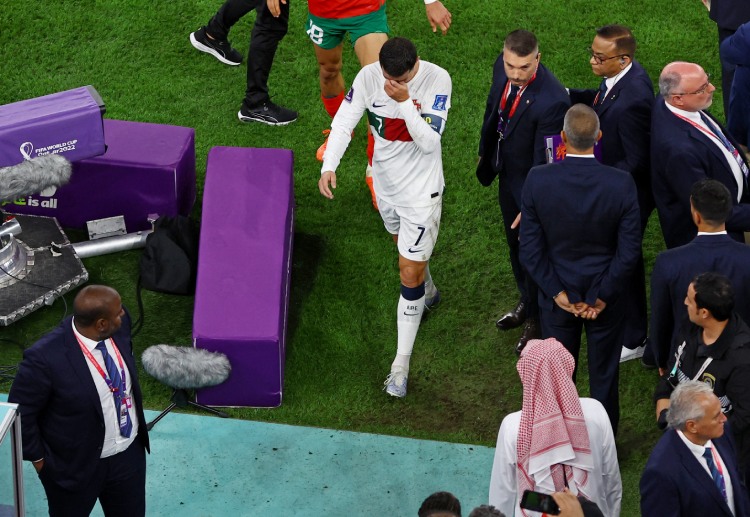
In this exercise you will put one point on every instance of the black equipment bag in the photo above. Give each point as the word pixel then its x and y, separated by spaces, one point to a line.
pixel 170 259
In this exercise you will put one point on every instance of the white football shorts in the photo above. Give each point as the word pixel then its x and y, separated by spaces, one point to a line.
pixel 417 228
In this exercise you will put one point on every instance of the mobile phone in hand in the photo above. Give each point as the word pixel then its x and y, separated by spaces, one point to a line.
pixel 539 502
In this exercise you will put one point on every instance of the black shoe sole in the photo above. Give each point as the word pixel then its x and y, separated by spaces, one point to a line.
pixel 270 122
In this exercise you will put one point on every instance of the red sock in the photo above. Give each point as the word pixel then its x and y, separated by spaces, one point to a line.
pixel 332 103
pixel 370 146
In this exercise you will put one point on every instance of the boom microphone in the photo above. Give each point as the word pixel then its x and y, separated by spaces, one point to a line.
pixel 32 176
pixel 185 367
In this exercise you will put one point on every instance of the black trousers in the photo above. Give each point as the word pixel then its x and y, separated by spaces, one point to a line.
pixel 635 328
pixel 526 285
pixel 264 40
pixel 603 341
pixel 119 483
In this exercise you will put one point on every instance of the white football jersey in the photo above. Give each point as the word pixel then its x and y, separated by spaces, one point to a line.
pixel 407 162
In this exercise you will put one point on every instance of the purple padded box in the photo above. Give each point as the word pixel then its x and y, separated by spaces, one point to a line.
pixel 67 123
pixel 148 168
pixel 244 268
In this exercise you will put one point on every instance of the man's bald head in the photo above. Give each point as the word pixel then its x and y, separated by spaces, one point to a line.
pixel 686 86
pixel 97 310
pixel 581 129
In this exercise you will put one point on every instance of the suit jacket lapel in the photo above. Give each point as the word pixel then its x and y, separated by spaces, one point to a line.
pixel 620 85
pixel 736 146
pixel 726 452
pixel 703 139
pixel 614 93
pixel 80 369
pixel 699 474
pixel 527 99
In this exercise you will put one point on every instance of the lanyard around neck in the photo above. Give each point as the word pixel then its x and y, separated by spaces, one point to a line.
pixel 707 131
pixel 517 100
pixel 106 378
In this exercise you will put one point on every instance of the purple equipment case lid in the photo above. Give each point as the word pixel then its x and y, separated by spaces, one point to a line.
pixel 67 123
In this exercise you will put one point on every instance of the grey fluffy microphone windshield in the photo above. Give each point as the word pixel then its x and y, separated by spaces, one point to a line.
pixel 184 367
pixel 32 176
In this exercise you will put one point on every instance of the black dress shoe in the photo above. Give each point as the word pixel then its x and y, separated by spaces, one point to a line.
pixel 648 360
pixel 514 318
pixel 530 331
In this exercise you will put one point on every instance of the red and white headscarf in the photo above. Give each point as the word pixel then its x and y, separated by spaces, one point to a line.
pixel 553 447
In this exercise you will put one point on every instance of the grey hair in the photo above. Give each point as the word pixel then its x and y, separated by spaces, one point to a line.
pixel 668 83
pixel 581 126
pixel 684 405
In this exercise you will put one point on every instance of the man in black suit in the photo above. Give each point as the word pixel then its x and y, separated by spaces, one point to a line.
pixel 688 145
pixel 526 103
pixel 728 15
pixel 692 471
pixel 580 241
pixel 711 250
pixel 623 103
pixel 81 411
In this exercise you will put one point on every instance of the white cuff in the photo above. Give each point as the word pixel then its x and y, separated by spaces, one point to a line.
pixel 428 2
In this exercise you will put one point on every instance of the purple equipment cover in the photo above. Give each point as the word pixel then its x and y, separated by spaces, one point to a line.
pixel 67 123
pixel 244 268
pixel 147 169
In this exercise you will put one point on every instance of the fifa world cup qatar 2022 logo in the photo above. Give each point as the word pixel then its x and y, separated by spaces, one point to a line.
pixel 26 149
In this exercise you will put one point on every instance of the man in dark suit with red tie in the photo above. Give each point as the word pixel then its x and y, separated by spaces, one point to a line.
pixel 692 471
pixel 526 103
pixel 623 103
pixel 580 241
pixel 711 250
pixel 688 145
pixel 81 411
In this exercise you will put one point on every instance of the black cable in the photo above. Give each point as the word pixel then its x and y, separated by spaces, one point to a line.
pixel 138 325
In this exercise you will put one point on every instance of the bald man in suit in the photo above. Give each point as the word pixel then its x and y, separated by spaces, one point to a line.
pixel 82 424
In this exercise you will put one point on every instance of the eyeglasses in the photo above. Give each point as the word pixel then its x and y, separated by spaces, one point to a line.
pixel 702 88
pixel 599 60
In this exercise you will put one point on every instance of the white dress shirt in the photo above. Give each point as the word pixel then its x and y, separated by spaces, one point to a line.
pixel 694 116
pixel 611 81
pixel 114 442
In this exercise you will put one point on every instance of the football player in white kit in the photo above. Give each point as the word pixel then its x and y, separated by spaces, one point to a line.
pixel 407 103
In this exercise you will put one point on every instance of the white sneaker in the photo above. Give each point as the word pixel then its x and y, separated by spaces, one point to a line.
pixel 430 302
pixel 631 353
pixel 395 383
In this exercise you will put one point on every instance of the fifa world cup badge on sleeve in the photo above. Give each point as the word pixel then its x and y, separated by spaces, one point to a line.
pixel 440 102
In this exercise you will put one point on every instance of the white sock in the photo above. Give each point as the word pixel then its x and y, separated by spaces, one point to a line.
pixel 429 285
pixel 407 322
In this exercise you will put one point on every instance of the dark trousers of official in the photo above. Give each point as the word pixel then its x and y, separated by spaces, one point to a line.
pixel 603 341
pixel 264 40
pixel 119 483
pixel 727 72
pixel 526 286
pixel 635 328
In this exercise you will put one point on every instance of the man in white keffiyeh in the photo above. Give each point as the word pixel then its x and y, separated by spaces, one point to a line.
pixel 557 440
